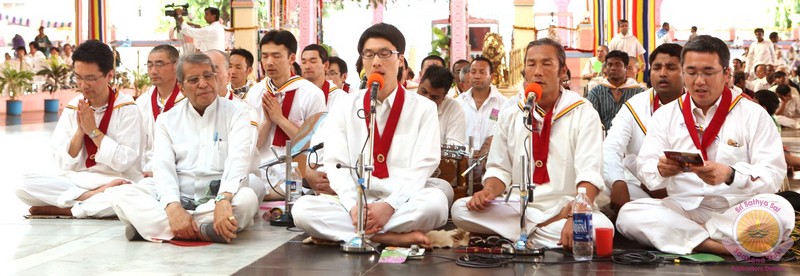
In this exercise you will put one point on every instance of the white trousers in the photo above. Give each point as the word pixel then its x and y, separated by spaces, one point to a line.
pixel 665 225
pixel 788 122
pixel 504 219
pixel 138 205
pixel 63 191
pixel 324 216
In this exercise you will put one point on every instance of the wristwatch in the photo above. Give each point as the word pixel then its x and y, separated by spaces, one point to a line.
pixel 221 197
pixel 95 133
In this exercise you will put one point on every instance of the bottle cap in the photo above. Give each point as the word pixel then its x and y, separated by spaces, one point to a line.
pixel 581 190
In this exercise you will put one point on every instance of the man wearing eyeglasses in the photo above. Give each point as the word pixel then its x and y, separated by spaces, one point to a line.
pixel 314 60
pixel 97 144
pixel 401 204
pixel 160 98
pixel 204 161
pixel 624 140
pixel 283 101
pixel 742 162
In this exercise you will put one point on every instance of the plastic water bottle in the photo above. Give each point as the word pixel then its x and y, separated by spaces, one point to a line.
pixel 294 182
pixel 582 245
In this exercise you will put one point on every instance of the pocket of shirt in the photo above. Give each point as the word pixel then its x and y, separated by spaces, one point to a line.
pixel 218 155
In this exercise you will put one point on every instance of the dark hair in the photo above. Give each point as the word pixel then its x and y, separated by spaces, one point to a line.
pixel 21 48
pixel 385 31
pixel 758 30
pixel 339 62
pixel 432 57
pixel 773 35
pixel 694 28
pixel 783 90
pixel 33 45
pixel 739 76
pixel 481 58
pixel 359 65
pixel 248 57
pixel 459 62
pixel 671 49
pixel 561 55
pixel 708 44
pixel 620 55
pixel 664 24
pixel 94 51
pixel 297 69
pixel 321 51
pixel 55 49
pixel 438 77
pixel 779 74
pixel 170 50
pixel 213 11
pixel 619 23
pixel 400 72
pixel 768 100
pixel 280 37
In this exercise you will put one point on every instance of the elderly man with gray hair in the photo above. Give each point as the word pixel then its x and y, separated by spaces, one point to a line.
pixel 203 167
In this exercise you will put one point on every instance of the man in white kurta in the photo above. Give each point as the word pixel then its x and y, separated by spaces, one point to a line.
pixel 761 52
pixel 315 63
pixel 626 42
pixel 481 115
pixel 743 162
pixel 160 98
pixel 402 206
pixel 573 160
pixel 269 98
pixel 624 140
pixel 203 164
pixel 208 37
pixel 86 179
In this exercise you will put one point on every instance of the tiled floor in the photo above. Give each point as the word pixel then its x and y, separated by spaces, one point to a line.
pixel 92 247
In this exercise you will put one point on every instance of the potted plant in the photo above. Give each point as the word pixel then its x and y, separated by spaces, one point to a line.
pixel 141 81
pixel 56 75
pixel 15 82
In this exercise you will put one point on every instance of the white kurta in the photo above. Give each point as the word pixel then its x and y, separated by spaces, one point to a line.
pixel 333 93
pixel 452 122
pixel 118 157
pixel 481 122
pixel 624 140
pixel 760 53
pixel 680 222
pixel 574 156
pixel 144 104
pixel 628 44
pixel 190 151
pixel 206 38
pixel 412 158
pixel 308 100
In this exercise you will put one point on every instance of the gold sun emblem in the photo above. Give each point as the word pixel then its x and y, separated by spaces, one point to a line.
pixel 758 231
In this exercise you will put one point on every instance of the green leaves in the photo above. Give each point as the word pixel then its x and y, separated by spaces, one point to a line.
pixel 14 81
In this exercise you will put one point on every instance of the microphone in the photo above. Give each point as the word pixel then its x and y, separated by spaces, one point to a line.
pixel 375 82
pixel 533 92
pixel 281 159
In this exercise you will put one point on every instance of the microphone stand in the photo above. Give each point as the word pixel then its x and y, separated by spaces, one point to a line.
pixel 526 188
pixel 286 218
pixel 360 243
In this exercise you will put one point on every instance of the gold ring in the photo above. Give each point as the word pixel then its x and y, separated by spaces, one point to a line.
pixel 231 218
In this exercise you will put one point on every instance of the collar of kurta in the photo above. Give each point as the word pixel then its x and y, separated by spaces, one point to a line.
pixel 566 103
pixel 291 84
pixel 629 83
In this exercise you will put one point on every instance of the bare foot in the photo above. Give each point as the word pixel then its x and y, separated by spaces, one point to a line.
pixel 49 211
pixel 712 246
pixel 320 241
pixel 402 239
pixel 113 183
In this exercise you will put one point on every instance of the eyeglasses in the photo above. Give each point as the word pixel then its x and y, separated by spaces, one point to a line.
pixel 705 75
pixel 194 80
pixel 385 53
pixel 87 79
pixel 157 64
